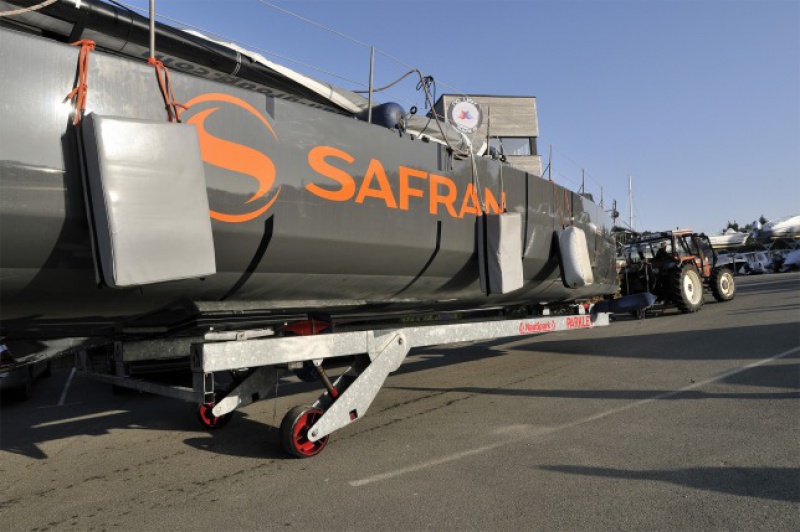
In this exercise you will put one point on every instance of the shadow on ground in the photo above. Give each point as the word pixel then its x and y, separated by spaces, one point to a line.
pixel 773 483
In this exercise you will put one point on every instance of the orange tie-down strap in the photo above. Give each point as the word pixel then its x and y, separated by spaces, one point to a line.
pixel 81 89
pixel 173 108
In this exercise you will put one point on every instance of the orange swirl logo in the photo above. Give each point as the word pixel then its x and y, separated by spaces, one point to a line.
pixel 235 157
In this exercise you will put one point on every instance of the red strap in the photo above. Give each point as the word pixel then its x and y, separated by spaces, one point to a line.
pixel 81 89
pixel 162 73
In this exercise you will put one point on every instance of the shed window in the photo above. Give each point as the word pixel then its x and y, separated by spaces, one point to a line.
pixel 512 145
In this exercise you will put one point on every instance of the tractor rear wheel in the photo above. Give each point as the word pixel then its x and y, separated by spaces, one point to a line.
pixel 687 289
pixel 723 285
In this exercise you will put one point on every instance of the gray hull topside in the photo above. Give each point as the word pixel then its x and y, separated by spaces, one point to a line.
pixel 319 237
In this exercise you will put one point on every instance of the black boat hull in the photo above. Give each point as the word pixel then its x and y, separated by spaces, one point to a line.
pixel 311 210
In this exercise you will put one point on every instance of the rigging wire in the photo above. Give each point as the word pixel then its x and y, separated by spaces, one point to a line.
pixel 243 44
pixel 577 164
pixel 349 38
pixel 28 9
pixel 392 84
pixel 314 23
pixel 264 51
pixel 603 189
pixel 344 36
pixel 298 62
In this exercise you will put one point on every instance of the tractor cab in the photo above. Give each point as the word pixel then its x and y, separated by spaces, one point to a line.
pixel 674 266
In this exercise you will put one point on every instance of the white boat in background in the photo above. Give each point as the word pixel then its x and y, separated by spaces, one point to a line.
pixel 729 238
pixel 787 227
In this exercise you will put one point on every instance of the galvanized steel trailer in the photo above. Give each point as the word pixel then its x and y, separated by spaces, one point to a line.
pixel 257 359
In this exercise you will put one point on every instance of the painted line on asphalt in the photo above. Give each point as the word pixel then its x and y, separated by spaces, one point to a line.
pixel 538 431
pixel 66 387
pixel 79 418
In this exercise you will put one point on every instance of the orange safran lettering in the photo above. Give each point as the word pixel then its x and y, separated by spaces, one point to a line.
pixel 376 173
pixel 470 205
pixel 235 157
pixel 447 199
pixel 491 202
pixel 317 160
pixel 405 186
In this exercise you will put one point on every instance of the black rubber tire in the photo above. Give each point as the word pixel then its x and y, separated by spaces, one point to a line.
pixel 25 392
pixel 208 420
pixel 687 289
pixel 723 284
pixel 294 432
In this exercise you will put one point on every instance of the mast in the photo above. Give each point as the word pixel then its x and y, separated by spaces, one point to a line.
pixel 583 181
pixel 371 73
pixel 152 28
pixel 630 202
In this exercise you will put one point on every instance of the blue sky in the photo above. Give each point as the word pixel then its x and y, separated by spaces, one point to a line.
pixel 698 101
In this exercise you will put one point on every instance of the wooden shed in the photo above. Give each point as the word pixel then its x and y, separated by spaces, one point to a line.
pixel 509 122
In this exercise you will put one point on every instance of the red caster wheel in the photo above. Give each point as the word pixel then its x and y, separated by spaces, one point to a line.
pixel 209 420
pixel 294 432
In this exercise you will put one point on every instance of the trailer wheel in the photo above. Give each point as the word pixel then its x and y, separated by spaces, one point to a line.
pixel 294 432
pixel 723 285
pixel 209 420
pixel 25 392
pixel 687 289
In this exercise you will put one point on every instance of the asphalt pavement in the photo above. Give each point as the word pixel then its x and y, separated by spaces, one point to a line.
pixel 674 422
